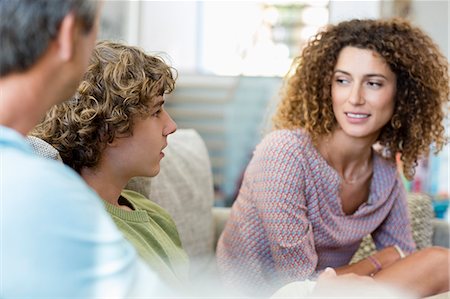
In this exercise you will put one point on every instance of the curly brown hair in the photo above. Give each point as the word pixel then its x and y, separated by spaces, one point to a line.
pixel 119 86
pixel 422 86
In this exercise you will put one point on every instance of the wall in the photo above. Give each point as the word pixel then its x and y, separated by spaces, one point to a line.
pixel 173 27
pixel 433 17
pixel 230 114
pixel 344 10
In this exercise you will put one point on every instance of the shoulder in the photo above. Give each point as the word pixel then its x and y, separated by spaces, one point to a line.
pixel 286 137
pixel 386 178
pixel 31 175
pixel 146 204
pixel 50 204
pixel 47 191
pixel 158 214
pixel 384 167
pixel 37 173
pixel 284 142
pixel 282 153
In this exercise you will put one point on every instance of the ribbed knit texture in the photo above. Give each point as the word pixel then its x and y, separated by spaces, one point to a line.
pixel 287 223
pixel 153 233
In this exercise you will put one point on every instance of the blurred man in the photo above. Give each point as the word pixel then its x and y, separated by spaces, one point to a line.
pixel 56 238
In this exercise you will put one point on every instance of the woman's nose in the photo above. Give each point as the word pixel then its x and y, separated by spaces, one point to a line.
pixel 356 96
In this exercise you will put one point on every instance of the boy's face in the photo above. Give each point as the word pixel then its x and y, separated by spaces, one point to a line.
pixel 141 153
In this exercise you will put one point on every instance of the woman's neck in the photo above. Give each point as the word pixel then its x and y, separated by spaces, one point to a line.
pixel 350 157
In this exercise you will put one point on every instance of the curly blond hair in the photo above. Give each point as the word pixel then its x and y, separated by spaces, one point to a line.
pixel 422 86
pixel 119 86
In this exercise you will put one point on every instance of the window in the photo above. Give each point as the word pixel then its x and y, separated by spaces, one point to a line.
pixel 256 38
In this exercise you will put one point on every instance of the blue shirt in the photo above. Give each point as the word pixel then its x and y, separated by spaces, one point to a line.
pixel 56 239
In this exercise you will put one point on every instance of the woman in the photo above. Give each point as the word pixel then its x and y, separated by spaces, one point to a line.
pixel 116 128
pixel 361 92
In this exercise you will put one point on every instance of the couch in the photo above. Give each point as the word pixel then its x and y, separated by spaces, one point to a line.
pixel 184 187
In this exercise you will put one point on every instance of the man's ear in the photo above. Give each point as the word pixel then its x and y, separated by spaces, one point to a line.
pixel 66 37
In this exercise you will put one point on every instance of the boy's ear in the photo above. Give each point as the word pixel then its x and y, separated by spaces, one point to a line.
pixel 66 37
pixel 113 143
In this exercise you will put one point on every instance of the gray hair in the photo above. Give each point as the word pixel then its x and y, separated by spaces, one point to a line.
pixel 28 26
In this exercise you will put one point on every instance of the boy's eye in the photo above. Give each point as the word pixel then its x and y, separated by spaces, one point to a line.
pixel 157 113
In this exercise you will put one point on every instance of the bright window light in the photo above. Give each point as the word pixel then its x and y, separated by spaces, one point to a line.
pixel 256 38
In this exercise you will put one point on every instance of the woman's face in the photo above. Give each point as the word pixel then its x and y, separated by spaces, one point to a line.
pixel 363 91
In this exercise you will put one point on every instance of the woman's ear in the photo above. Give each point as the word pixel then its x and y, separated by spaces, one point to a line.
pixel 66 37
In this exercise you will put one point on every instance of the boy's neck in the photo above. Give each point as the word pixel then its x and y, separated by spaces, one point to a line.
pixel 107 186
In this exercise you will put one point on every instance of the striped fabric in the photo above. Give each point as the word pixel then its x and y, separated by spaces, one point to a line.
pixel 287 223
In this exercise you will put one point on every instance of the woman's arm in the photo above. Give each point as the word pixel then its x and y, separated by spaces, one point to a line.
pixel 278 191
pixel 396 228
pixel 373 264
pixel 394 231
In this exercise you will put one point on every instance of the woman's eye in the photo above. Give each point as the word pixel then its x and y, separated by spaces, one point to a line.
pixel 375 84
pixel 342 81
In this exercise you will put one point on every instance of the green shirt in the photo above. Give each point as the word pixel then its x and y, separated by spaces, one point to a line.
pixel 154 234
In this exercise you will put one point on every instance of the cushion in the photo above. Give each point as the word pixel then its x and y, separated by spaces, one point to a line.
pixel 184 187
pixel 421 215
pixel 441 233
pixel 42 148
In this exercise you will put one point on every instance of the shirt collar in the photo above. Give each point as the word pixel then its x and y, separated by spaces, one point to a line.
pixel 12 138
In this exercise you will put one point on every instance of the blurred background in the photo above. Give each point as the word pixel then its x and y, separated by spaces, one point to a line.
pixel 231 57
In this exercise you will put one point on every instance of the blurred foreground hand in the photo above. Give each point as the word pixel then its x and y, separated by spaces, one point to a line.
pixel 329 285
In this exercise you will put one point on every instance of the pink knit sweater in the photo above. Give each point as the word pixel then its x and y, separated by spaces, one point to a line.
pixel 287 223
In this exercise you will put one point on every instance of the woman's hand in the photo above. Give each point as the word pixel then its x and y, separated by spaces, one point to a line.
pixel 330 285
pixel 387 256
pixel 371 265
